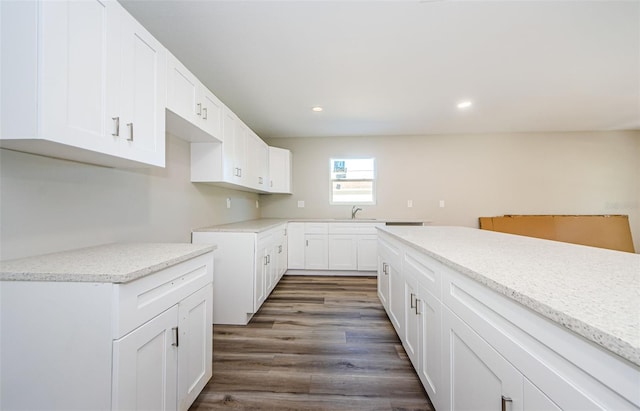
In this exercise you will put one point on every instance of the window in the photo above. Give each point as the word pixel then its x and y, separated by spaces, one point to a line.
pixel 353 181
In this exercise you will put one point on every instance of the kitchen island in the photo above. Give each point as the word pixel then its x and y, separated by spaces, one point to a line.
pixel 489 317
pixel 119 326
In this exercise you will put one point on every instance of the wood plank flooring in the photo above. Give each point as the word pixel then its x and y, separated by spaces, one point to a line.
pixel 317 343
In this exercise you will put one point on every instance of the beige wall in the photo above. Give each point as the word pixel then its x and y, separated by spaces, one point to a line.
pixel 48 205
pixel 476 175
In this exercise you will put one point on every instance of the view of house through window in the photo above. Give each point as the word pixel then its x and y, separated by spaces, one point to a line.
pixel 353 181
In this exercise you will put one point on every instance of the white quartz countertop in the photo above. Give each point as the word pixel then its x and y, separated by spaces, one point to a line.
pixel 263 224
pixel 111 263
pixel 594 292
pixel 250 226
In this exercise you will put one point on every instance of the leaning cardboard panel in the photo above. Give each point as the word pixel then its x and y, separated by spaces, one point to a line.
pixel 605 231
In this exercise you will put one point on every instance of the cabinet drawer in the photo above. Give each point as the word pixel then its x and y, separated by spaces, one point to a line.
pixel 353 228
pixel 316 228
pixel 426 271
pixel 139 301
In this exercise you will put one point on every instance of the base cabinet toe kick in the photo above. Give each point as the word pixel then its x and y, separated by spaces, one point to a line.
pixel 475 348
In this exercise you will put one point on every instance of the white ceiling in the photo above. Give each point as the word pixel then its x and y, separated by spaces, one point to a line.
pixel 400 67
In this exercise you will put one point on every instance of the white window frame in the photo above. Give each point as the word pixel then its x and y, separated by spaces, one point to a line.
pixel 373 181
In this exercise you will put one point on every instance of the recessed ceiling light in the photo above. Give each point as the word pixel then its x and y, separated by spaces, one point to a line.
pixel 465 104
pixel 317 109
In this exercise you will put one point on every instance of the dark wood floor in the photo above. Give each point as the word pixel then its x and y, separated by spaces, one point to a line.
pixel 317 343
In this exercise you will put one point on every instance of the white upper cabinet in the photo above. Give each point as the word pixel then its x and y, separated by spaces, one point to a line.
pixel 194 113
pixel 142 94
pixel 240 161
pixel 81 81
pixel 279 170
pixel 257 162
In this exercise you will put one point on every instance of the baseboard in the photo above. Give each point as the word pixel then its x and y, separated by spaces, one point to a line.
pixel 333 273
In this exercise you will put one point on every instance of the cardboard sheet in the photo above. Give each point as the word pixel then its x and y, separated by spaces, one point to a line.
pixel 605 231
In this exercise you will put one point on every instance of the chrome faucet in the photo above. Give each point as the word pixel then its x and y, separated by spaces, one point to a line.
pixel 354 211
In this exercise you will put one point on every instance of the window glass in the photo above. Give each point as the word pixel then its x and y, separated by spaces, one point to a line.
pixel 352 180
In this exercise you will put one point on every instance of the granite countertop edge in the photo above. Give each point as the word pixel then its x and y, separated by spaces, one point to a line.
pixel 264 224
pixel 105 277
pixel 610 342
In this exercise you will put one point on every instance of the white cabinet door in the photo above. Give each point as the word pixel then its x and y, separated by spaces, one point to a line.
pixel 142 95
pixel 195 342
pixel 411 338
pixel 279 170
pixel 145 365
pixel 479 377
pixel 90 79
pixel 343 252
pixel 260 277
pixel 396 298
pixel 240 138
pixel 430 343
pixel 80 47
pixel 367 252
pixel 383 282
pixel 295 246
pixel 182 89
pixel 200 110
pixel 229 129
pixel 389 255
pixel 316 253
pixel 211 112
pixel 256 170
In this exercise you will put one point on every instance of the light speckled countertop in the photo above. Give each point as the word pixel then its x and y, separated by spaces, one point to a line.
pixel 263 224
pixel 594 292
pixel 250 226
pixel 111 263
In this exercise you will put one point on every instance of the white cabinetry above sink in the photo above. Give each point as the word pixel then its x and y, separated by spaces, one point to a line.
pixel 341 246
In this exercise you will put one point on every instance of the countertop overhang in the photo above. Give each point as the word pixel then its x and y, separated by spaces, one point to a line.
pixel 111 263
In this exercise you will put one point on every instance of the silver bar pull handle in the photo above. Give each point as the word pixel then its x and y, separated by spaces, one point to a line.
pixel 417 305
pixel 176 341
pixel 199 112
pixel 130 125
pixel 307 243
pixel 265 260
pixel 116 126
pixel 413 304
pixel 506 400
pixel 204 113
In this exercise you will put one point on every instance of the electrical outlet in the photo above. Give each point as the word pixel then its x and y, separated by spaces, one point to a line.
pixel 441 203
pixel 300 203
pixel 409 203
pixel 228 203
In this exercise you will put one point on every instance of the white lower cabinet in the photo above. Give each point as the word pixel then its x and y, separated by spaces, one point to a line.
pixel 338 246
pixel 248 267
pixel 141 345
pixel 145 364
pixel 367 252
pixel 343 252
pixel 475 349
pixel 296 246
pixel 316 252
pixel 479 377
